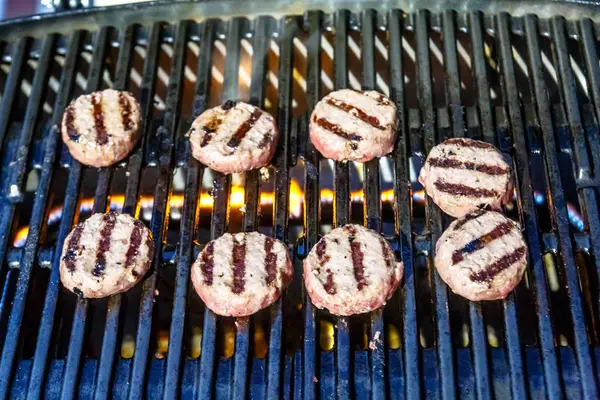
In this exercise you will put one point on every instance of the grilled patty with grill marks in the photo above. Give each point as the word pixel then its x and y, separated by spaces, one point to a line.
pixel 101 128
pixel 462 175
pixel 354 125
pixel 482 256
pixel 234 137
pixel 240 274
pixel 351 270
pixel 106 254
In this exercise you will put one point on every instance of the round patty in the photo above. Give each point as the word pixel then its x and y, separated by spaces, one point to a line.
pixel 351 270
pixel 239 274
pixel 106 254
pixel 463 175
pixel 234 137
pixel 101 128
pixel 482 256
pixel 352 125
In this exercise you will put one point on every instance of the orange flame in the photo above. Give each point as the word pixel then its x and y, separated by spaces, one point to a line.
pixel 236 201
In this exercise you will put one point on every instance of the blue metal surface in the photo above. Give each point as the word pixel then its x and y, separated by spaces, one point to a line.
pixel 526 122
pixel 37 215
pixel 588 381
pixel 403 220
pixel 341 211
pixel 327 375
pixel 221 191
pixel 434 222
pixel 73 360
pixel 529 215
pixel 372 210
pixel 258 383
pixel 188 222
pixel 165 136
pixel 311 202
pixel 499 363
pixel 280 213
pixel 111 327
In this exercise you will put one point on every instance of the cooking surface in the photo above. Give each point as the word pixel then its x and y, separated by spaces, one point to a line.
pixel 528 85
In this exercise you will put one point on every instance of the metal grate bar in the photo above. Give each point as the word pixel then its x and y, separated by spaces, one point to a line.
pixel 251 200
pixel 165 136
pixel 372 209
pixel 569 99
pixel 591 61
pixel 134 167
pixel 478 335
pixel 452 77
pixel 260 47
pixel 593 76
pixel 147 91
pixel 13 85
pixel 371 186
pixel 9 98
pixel 282 188
pixel 100 200
pixel 341 188
pixel 36 97
pixel 583 356
pixel 231 73
pixel 480 77
pixel 400 372
pixel 78 327
pixel 311 194
pixel 6 222
pixel 434 220
pixel 37 214
pixel 514 348
pixel 188 221
pixel 510 313
pixel 75 350
pixel 340 58
pixel 511 96
pixel 582 170
pixel 220 213
pixel 47 322
pixel 126 39
pixel 403 220
pixel 111 327
pixel 122 72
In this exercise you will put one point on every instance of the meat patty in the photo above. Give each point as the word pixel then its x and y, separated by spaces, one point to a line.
pixel 353 125
pixel 106 254
pixel 482 256
pixel 234 137
pixel 351 270
pixel 463 175
pixel 239 274
pixel 101 128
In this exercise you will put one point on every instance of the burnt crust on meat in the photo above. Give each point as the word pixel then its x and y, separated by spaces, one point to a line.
pixel 462 175
pixel 482 256
pixel 234 137
pixel 239 274
pixel 351 270
pixel 106 254
pixel 101 128
pixel 353 125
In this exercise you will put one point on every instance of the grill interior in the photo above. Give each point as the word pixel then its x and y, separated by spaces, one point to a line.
pixel 529 85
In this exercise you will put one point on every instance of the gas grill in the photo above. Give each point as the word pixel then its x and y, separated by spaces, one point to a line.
pixel 524 76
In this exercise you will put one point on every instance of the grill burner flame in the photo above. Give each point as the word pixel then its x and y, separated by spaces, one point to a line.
pixel 236 201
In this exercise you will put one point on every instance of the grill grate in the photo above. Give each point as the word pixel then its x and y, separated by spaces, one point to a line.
pixel 534 91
